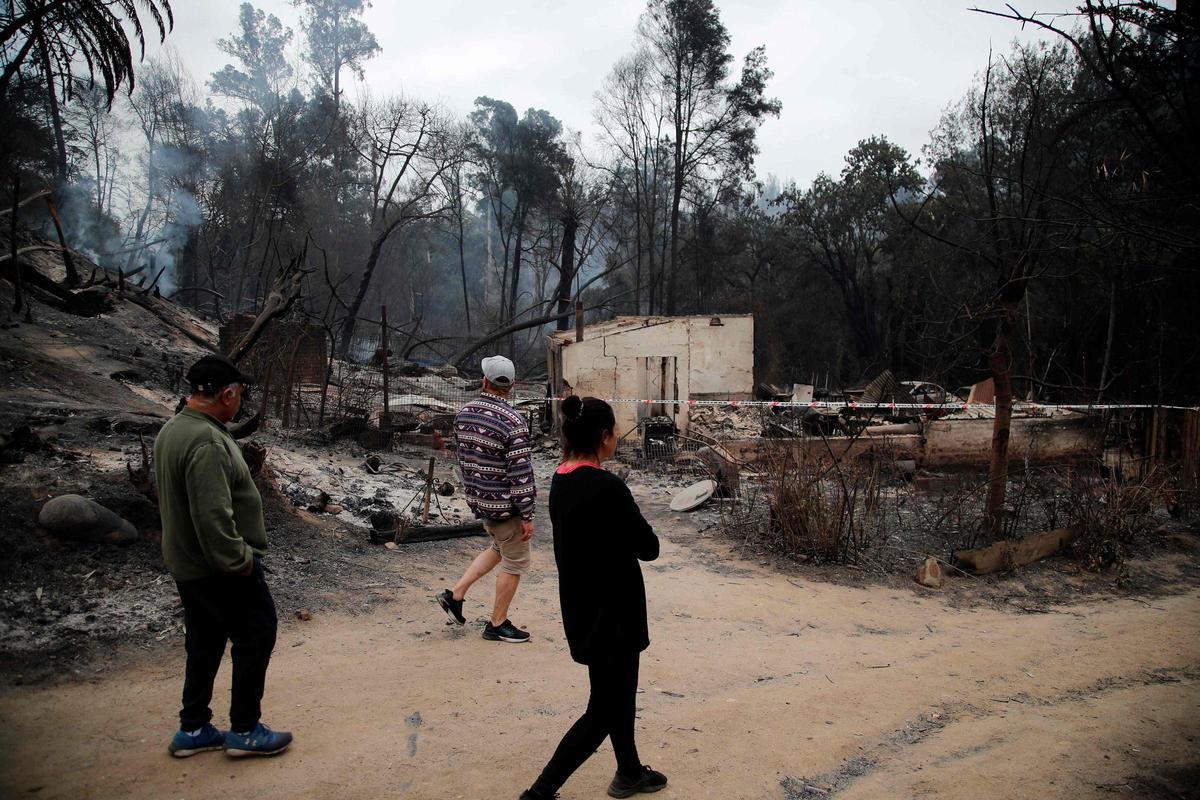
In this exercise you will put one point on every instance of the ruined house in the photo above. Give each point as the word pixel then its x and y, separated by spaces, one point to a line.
pixel 663 359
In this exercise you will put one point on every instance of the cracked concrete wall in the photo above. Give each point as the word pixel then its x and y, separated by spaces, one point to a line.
pixel 722 358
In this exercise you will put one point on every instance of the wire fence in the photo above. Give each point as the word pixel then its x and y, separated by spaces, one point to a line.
pixel 372 394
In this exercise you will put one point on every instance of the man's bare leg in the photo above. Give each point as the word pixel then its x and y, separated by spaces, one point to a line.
pixel 484 563
pixel 506 589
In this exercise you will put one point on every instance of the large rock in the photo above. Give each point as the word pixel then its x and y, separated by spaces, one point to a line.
pixel 930 574
pixel 73 517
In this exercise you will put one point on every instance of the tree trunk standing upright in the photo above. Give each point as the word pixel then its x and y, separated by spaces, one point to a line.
pixel 364 284
pixel 72 279
pixel 1108 338
pixel 337 65
pixel 676 189
pixel 462 254
pixel 515 280
pixel 18 280
pixel 60 143
pixel 567 271
pixel 637 236
pixel 1000 360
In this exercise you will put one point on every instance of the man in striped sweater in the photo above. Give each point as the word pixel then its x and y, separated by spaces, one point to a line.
pixel 497 469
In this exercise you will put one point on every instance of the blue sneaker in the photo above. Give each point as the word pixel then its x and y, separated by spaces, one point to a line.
pixel 262 741
pixel 183 744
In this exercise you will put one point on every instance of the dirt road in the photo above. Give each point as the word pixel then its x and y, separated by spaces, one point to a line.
pixel 755 686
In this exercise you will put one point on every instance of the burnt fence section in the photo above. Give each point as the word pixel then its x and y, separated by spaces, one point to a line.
pixel 372 395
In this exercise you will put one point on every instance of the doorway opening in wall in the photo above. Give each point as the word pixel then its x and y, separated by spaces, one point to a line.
pixel 658 380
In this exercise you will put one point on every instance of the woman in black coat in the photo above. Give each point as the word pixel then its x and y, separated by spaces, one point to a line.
pixel 599 536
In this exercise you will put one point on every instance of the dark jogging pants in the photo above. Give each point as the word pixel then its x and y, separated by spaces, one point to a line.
pixel 611 709
pixel 218 609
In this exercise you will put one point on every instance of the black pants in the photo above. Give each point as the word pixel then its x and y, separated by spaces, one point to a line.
pixel 224 608
pixel 611 709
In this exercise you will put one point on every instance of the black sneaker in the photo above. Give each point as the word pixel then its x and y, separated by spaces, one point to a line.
pixel 452 607
pixel 529 794
pixel 504 632
pixel 649 781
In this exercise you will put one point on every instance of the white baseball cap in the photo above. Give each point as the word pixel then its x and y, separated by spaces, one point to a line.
pixel 499 370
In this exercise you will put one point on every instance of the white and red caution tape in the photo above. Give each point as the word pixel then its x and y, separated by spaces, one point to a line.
pixel 958 406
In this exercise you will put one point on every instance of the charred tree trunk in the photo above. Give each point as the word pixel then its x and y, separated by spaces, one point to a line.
pixel 1000 360
pixel 285 291
pixel 462 262
pixel 363 286
pixel 566 271
pixel 516 280
pixel 676 187
pixel 18 279
pixel 676 199
pixel 60 142
pixel 1108 339
pixel 72 280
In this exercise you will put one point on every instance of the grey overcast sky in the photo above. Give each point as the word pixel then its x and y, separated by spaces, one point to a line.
pixel 844 69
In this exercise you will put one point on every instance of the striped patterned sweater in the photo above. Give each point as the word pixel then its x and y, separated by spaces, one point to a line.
pixel 495 457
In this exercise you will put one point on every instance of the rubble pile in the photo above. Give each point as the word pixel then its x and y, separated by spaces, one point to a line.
pixel 343 479
pixel 725 422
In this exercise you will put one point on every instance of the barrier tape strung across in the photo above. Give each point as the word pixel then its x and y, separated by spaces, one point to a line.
pixel 960 406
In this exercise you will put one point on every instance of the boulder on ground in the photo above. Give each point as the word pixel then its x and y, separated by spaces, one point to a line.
pixel 930 574
pixel 73 517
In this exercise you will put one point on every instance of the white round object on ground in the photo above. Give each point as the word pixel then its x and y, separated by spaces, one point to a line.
pixel 694 496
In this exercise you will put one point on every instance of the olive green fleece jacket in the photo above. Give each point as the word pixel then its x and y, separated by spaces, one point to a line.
pixel 212 520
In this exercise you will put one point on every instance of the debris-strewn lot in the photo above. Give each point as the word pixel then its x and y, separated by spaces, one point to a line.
pixel 759 683
pixel 768 675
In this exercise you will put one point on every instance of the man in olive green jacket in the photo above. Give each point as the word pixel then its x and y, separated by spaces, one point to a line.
pixel 213 539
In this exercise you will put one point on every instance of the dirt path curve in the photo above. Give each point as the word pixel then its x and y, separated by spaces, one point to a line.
pixel 755 686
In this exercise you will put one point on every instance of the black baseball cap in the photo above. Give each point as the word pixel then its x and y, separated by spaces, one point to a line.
pixel 212 373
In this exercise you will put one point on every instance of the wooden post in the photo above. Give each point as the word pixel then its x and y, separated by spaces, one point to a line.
pixel 428 490
pixel 579 320
pixel 385 418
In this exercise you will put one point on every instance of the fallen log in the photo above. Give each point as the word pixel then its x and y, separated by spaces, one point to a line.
pixel 428 533
pixel 148 304
pixel 892 430
pixel 436 533
pixel 1010 553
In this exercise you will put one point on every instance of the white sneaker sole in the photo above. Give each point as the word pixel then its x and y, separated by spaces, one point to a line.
pixel 194 750
pixel 507 639
pixel 244 753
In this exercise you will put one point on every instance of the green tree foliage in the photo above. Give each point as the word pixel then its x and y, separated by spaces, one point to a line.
pixel 67 32
pixel 842 226
pixel 1048 228
pixel 336 39
pixel 520 159
pixel 710 122
pixel 54 38
pixel 265 72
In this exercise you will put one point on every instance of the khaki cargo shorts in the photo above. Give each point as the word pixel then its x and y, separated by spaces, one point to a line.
pixel 506 540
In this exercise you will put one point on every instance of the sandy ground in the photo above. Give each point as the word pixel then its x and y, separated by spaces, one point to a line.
pixel 756 685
